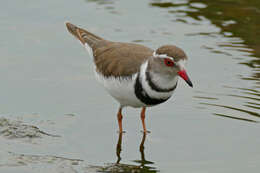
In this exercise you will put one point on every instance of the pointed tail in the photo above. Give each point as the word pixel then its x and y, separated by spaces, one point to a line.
pixel 83 35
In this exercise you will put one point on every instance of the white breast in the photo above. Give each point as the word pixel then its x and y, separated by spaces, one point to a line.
pixel 121 89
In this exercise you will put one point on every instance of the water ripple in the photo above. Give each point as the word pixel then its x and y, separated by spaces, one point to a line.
pixel 255 114
pixel 236 118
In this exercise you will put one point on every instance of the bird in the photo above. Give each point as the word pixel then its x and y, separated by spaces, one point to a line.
pixel 134 75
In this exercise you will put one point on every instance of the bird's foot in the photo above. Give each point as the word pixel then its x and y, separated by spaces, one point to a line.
pixel 121 131
pixel 146 131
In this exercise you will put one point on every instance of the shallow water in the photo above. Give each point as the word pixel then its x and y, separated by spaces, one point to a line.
pixel 48 83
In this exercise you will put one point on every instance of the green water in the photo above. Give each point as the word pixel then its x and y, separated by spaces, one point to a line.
pixel 47 81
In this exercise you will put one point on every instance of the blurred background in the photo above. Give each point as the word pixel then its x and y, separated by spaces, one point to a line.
pixel 56 117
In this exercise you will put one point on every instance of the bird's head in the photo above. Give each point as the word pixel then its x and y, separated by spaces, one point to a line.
pixel 170 60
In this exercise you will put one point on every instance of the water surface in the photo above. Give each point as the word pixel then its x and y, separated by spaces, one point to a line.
pixel 48 82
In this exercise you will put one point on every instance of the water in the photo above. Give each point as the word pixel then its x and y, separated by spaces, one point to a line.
pixel 48 82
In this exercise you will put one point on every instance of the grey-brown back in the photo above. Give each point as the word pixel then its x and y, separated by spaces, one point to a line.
pixel 112 58
pixel 120 59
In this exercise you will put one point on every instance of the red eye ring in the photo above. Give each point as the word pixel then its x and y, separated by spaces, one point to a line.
pixel 168 62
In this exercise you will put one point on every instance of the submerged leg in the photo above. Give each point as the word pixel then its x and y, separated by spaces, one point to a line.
pixel 119 119
pixel 118 147
pixel 143 120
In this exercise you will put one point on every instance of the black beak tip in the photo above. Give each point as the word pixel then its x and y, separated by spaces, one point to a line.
pixel 189 83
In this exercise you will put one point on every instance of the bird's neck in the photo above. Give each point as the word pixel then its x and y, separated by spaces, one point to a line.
pixel 156 83
pixel 164 81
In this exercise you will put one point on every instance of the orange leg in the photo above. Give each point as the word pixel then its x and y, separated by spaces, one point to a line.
pixel 119 119
pixel 143 120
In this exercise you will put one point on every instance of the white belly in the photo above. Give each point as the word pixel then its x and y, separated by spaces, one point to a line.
pixel 121 89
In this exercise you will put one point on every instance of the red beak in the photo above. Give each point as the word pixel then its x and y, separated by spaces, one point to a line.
pixel 184 76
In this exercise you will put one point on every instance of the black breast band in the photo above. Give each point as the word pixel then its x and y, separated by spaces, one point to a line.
pixel 143 96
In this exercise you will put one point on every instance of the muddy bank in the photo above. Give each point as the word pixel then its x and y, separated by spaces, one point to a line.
pixel 14 129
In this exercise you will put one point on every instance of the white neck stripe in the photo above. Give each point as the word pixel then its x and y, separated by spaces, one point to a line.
pixel 161 55
pixel 147 88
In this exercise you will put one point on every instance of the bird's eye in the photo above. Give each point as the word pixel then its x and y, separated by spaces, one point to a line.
pixel 168 62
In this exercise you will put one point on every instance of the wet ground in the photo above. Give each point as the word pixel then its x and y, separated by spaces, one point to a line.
pixel 55 117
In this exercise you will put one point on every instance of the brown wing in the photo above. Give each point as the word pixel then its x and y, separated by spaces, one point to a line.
pixel 112 58
pixel 119 59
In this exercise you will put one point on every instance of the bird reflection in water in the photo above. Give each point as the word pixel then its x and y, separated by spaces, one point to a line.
pixel 140 167
pixel 143 167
